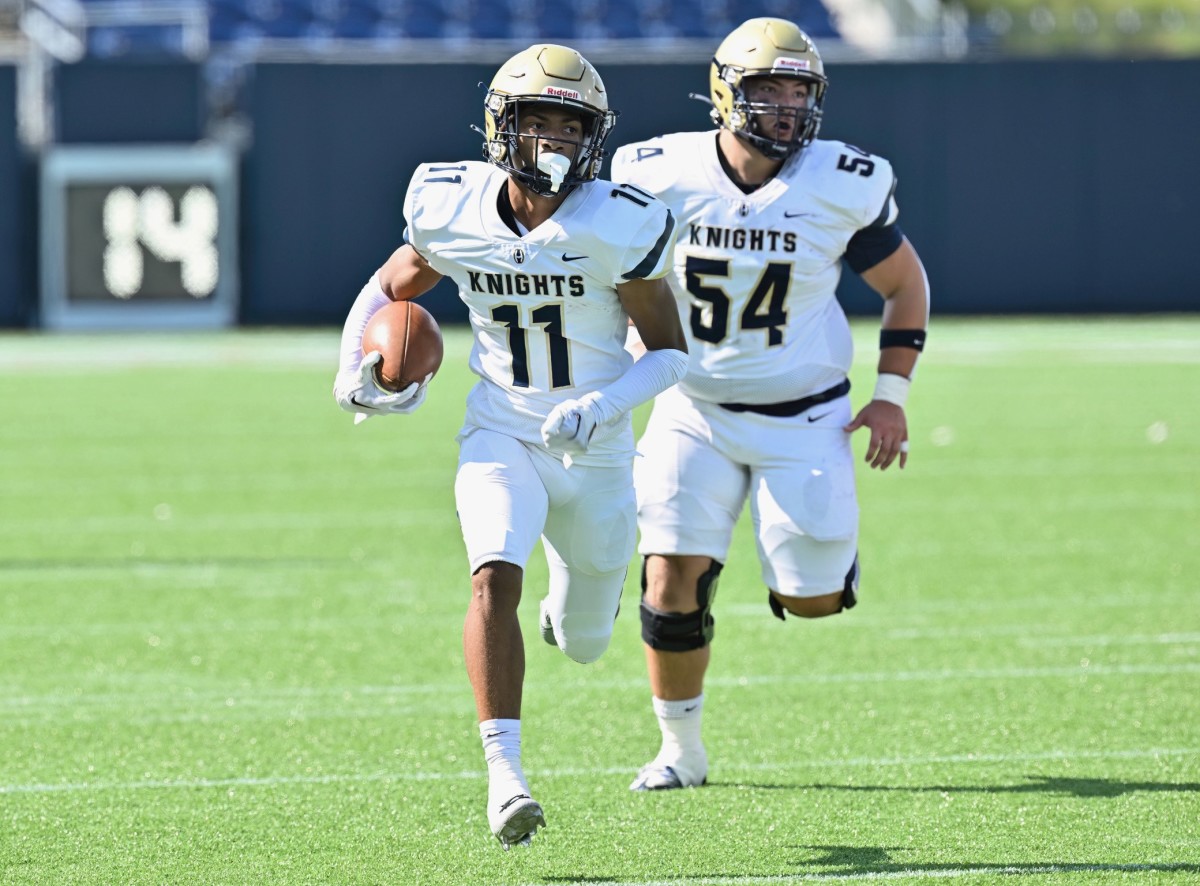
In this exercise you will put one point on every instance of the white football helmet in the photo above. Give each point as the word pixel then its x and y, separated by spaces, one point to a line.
pixel 766 47
pixel 547 74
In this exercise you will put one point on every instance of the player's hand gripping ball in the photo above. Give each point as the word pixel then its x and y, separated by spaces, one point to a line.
pixel 410 341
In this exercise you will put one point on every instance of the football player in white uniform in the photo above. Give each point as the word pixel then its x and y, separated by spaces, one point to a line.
pixel 766 214
pixel 553 264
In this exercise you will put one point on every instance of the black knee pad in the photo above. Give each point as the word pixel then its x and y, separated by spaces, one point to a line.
pixel 849 594
pixel 675 632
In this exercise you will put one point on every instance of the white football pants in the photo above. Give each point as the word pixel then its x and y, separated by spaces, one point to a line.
pixel 698 464
pixel 509 493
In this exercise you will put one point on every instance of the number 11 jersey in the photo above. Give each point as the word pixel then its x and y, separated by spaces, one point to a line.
pixel 548 325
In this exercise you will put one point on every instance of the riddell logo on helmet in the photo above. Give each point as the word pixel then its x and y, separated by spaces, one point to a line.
pixel 559 92
pixel 793 64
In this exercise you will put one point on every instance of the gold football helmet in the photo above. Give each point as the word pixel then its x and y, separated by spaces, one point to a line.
pixel 546 74
pixel 766 47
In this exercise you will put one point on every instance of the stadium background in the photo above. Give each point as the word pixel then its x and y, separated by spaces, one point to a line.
pixel 231 645
pixel 1043 169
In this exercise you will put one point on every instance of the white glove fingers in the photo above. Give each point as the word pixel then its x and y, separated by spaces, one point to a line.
pixel 366 369
pixel 358 391
pixel 397 398
pixel 565 428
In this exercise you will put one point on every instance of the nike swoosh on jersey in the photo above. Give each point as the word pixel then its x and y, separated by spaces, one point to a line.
pixel 787 214
pixel 566 257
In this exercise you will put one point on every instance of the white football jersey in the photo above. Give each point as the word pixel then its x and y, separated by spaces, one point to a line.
pixel 755 274
pixel 547 321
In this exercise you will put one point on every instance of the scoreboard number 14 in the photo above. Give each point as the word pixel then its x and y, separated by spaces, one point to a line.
pixel 186 234
pixel 139 237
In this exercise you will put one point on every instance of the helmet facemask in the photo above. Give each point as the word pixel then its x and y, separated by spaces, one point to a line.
pixel 747 118
pixel 535 171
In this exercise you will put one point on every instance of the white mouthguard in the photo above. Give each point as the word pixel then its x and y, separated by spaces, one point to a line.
pixel 556 166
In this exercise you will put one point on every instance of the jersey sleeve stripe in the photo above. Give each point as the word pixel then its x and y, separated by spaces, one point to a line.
pixel 886 215
pixel 650 262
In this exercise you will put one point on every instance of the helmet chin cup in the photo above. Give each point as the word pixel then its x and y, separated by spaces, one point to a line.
pixel 774 150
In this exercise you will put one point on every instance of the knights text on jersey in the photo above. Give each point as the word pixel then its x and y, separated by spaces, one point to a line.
pixel 547 323
pixel 755 275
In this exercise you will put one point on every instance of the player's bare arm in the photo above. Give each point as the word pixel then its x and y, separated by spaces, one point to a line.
pixel 900 279
pixel 406 275
pixel 651 309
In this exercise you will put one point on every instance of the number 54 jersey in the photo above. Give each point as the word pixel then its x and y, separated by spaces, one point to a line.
pixel 755 274
pixel 543 305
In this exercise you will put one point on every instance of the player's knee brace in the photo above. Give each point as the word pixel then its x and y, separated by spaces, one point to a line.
pixel 675 632
pixel 848 600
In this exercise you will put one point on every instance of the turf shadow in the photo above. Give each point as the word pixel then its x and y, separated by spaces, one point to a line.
pixel 843 859
pixel 1037 784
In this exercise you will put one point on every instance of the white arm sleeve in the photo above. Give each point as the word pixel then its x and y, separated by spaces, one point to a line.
pixel 370 300
pixel 648 377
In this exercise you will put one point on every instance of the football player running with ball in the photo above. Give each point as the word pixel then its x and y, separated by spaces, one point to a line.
pixel 553 263
pixel 766 214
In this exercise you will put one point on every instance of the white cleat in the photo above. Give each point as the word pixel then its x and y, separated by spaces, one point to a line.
pixel 515 821
pixel 656 776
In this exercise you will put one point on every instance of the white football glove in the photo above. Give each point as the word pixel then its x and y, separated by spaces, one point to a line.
pixel 570 425
pixel 358 392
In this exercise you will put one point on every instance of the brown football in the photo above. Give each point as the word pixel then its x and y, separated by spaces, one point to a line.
pixel 410 341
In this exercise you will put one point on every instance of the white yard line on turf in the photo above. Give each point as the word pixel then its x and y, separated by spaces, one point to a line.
pixel 572 772
pixel 246 697
pixel 263 521
pixel 916 872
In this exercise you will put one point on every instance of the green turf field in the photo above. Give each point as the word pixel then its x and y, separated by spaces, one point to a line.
pixel 230 644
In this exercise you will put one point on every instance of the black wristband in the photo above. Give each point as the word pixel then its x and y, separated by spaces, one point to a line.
pixel 902 338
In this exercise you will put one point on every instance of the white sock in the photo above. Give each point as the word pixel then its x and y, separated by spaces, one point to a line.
pixel 679 722
pixel 502 750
